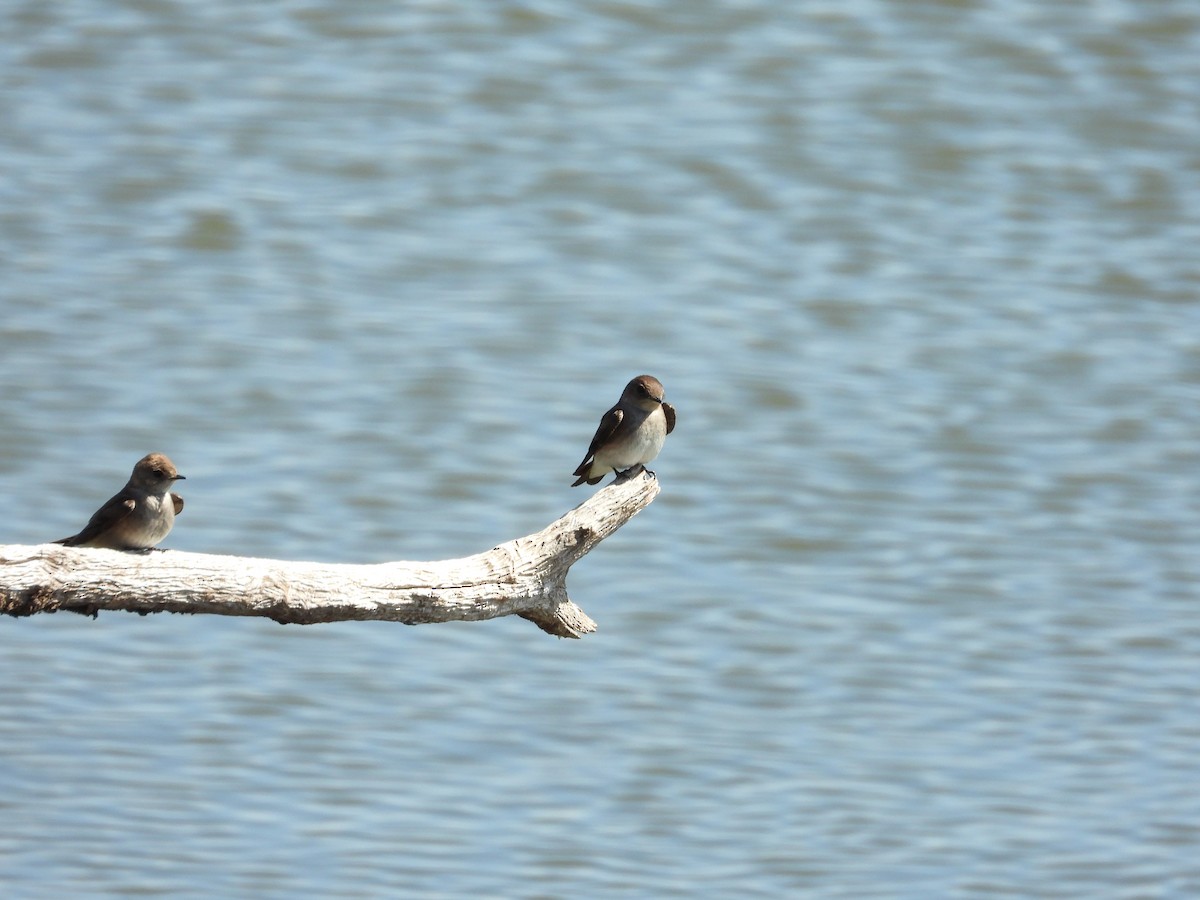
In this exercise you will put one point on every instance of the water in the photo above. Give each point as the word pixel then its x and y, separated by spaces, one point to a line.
pixel 915 614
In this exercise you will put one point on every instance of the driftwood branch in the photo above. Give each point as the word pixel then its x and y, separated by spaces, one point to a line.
pixel 524 577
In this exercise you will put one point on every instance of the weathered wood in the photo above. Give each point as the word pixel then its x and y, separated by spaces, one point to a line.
pixel 524 577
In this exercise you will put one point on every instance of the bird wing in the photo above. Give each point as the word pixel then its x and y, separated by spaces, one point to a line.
pixel 608 424
pixel 177 502
pixel 669 412
pixel 112 512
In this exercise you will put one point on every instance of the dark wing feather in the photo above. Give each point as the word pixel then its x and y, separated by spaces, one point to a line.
pixel 177 502
pixel 669 412
pixel 105 518
pixel 608 424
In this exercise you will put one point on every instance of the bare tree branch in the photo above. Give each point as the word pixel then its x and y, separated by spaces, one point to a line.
pixel 524 577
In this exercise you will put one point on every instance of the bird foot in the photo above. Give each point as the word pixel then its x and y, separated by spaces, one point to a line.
pixel 630 472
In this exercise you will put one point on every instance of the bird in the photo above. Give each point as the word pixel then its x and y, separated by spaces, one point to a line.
pixel 629 434
pixel 138 517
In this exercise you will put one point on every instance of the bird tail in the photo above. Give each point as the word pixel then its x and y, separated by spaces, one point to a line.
pixel 585 474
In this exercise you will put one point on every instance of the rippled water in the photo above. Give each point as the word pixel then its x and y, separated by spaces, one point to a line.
pixel 916 612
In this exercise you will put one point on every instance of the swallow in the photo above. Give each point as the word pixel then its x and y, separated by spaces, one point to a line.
pixel 138 517
pixel 631 433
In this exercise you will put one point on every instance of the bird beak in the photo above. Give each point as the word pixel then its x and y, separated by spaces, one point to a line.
pixel 179 478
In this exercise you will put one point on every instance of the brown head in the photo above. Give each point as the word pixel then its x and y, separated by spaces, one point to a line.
pixel 645 391
pixel 154 472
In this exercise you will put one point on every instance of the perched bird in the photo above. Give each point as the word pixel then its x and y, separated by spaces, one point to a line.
pixel 629 434
pixel 139 516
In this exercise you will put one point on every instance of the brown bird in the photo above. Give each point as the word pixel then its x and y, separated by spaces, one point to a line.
pixel 139 516
pixel 629 434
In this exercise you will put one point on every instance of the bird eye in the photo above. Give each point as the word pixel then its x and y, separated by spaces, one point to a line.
pixel 159 472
